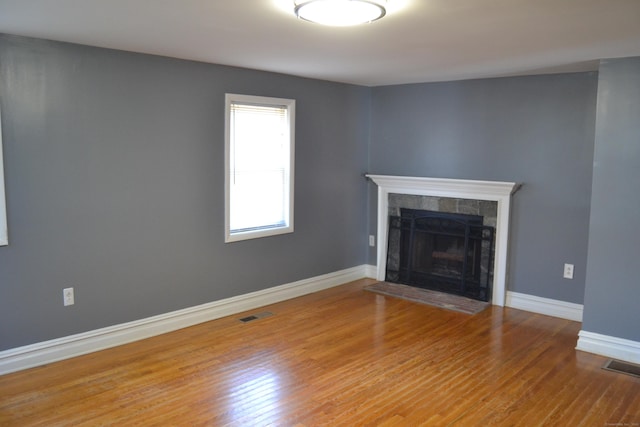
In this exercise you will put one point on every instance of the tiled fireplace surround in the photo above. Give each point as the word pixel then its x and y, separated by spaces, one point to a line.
pixel 493 191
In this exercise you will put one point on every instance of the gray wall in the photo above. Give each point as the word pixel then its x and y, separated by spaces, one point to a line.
pixel 612 288
pixel 114 177
pixel 537 130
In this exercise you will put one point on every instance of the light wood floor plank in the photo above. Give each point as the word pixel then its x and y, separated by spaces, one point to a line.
pixel 340 357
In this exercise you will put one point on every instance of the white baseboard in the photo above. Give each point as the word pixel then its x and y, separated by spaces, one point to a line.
pixel 370 271
pixel 549 307
pixel 604 345
pixel 41 353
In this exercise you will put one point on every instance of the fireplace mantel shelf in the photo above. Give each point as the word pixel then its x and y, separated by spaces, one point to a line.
pixel 445 187
pixel 497 191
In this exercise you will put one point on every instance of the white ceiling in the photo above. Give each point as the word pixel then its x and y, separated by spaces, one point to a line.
pixel 418 40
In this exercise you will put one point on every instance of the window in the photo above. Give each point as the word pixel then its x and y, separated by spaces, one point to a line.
pixel 259 153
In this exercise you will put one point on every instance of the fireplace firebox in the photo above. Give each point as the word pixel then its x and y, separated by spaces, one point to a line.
pixel 448 252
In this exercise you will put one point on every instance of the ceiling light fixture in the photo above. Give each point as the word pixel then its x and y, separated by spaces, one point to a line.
pixel 340 13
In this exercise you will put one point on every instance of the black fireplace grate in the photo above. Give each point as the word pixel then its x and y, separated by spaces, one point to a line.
pixel 447 252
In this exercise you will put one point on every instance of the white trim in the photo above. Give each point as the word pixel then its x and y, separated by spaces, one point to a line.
pixel 4 236
pixel 549 307
pixel 497 191
pixel 29 356
pixel 370 271
pixel 605 345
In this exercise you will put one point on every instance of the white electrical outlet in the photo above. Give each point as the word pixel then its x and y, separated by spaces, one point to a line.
pixel 372 240
pixel 67 295
pixel 568 271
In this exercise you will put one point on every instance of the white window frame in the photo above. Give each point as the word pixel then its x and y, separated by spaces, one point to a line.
pixel 289 104
pixel 4 236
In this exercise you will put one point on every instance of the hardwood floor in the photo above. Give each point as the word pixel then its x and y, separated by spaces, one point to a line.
pixel 340 357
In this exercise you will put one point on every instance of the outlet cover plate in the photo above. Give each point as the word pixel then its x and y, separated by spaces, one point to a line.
pixel 568 271
pixel 68 297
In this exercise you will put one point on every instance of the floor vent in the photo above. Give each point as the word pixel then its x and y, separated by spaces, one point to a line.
pixel 256 316
pixel 622 367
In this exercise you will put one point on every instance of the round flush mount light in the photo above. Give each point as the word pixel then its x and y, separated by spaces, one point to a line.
pixel 340 13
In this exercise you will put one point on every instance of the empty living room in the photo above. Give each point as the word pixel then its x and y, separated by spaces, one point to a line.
pixel 319 213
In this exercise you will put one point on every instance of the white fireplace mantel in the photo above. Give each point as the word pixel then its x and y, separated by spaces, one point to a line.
pixel 497 191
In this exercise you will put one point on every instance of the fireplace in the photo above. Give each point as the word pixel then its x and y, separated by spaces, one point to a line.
pixel 495 191
pixel 449 252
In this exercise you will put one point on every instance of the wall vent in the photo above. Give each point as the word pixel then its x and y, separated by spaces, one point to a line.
pixel 622 367
pixel 256 316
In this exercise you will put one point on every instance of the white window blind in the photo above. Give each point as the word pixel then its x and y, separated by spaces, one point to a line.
pixel 259 166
